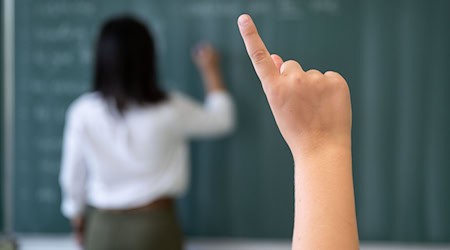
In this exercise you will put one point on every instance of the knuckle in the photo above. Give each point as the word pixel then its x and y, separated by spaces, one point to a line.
pixel 291 68
pixel 331 73
pixel 297 77
pixel 343 86
pixel 292 64
pixel 314 72
pixel 334 80
pixel 249 31
pixel 335 76
pixel 337 86
pixel 259 56
pixel 314 75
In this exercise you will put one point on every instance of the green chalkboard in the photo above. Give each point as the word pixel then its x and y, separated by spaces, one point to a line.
pixel 242 186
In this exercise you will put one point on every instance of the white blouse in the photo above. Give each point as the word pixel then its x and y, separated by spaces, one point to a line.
pixel 114 161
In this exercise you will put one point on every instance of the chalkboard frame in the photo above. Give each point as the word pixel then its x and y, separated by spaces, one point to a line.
pixel 1 114
pixel 7 115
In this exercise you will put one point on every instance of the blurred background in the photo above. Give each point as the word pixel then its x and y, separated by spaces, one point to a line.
pixel 395 56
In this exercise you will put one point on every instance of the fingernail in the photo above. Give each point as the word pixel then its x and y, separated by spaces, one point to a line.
pixel 243 20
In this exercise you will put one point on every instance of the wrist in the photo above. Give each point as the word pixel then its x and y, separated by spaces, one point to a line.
pixel 321 147
pixel 209 70
pixel 213 80
pixel 215 87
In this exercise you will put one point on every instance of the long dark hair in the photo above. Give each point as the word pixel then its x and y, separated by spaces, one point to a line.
pixel 125 66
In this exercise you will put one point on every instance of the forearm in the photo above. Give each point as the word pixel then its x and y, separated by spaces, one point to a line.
pixel 324 201
pixel 213 80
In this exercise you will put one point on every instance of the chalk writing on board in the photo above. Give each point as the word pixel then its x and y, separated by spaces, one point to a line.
pixel 41 113
pixel 58 42
pixel 48 165
pixel 211 9
pixel 58 86
pixel 295 10
pixel 53 59
pixel 47 195
pixel 325 6
pixel 63 32
pixel 48 114
pixel 259 7
pixel 58 9
pixel 84 55
pixel 69 87
pixel 290 10
pixel 48 144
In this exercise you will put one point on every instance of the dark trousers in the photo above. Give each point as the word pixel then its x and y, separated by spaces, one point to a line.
pixel 156 229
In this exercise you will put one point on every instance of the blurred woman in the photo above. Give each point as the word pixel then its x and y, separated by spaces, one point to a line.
pixel 125 151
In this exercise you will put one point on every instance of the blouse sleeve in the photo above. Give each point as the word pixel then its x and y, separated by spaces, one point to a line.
pixel 73 169
pixel 215 117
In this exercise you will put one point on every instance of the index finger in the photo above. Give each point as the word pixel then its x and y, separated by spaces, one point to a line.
pixel 262 62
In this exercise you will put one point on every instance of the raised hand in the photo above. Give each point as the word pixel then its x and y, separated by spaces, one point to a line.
pixel 208 63
pixel 313 113
pixel 205 57
pixel 309 107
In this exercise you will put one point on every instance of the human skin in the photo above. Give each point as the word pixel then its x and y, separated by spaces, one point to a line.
pixel 207 61
pixel 313 112
pixel 78 226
